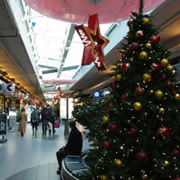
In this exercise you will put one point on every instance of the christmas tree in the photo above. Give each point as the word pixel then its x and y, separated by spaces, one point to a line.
pixel 141 129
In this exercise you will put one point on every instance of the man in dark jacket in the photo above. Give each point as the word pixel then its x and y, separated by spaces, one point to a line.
pixel 73 146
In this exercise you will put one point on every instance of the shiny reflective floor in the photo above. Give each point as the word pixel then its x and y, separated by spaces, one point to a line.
pixel 32 158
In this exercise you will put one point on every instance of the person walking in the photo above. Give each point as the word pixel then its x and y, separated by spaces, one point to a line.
pixel 44 121
pixel 73 146
pixel 34 121
pixel 22 121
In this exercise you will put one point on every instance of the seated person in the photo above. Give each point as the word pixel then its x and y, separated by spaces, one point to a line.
pixel 73 146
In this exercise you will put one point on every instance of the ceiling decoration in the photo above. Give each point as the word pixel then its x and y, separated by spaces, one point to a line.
pixel 72 11
pixel 94 43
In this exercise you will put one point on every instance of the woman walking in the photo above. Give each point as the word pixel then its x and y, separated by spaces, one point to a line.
pixel 22 121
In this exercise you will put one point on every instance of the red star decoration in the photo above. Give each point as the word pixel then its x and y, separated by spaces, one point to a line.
pixel 94 43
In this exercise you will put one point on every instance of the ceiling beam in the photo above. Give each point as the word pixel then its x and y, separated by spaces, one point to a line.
pixel 65 50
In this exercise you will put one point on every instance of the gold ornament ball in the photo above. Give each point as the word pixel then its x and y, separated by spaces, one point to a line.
pixel 177 96
pixel 159 94
pixel 118 162
pixel 164 62
pixel 143 55
pixel 145 20
pixel 148 45
pixel 161 110
pixel 165 163
pixel 105 120
pixel 95 140
pixel 147 77
pixel 103 177
pixel 118 77
pixel 137 106
pixel 169 67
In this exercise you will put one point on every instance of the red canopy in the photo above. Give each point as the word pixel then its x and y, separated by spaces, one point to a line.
pixel 78 11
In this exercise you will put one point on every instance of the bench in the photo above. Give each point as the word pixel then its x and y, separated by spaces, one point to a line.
pixel 73 164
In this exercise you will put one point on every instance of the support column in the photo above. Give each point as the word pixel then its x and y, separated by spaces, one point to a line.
pixel 66 132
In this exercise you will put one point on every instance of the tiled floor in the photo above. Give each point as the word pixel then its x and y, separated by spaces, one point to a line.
pixel 30 158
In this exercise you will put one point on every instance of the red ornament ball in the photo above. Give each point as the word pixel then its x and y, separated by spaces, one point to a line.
pixel 169 84
pixel 129 22
pixel 106 144
pixel 110 105
pixel 155 67
pixel 154 39
pixel 141 157
pixel 164 131
pixel 112 127
pixel 112 84
pixel 133 131
pixel 122 56
pixel 139 91
pixel 164 77
pixel 139 34
pixel 123 97
pixel 125 66
pixel 174 92
pixel 134 46
pixel 176 152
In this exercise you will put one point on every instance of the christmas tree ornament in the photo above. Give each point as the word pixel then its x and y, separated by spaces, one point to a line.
pixel 137 106
pixel 164 77
pixel 122 56
pixel 174 92
pixel 103 177
pixel 154 39
pixel 125 66
pixel 164 131
pixel 118 77
pixel 105 120
pixel 159 94
pixel 147 77
pixel 155 67
pixel 145 20
pixel 129 22
pixel 143 55
pixel 95 140
pixel 165 163
pixel 164 62
pixel 169 84
pixel 177 96
pixel 148 46
pixel 176 152
pixel 112 84
pixel 110 105
pixel 106 144
pixel 134 46
pixel 123 97
pixel 161 110
pixel 177 178
pixel 133 131
pixel 118 162
pixel 139 91
pixel 169 67
pixel 141 157
pixel 139 34
pixel 112 127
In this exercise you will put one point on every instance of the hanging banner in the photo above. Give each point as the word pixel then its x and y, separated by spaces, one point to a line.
pixel 94 43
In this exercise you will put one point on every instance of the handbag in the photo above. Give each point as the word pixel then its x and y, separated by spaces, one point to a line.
pixel 56 124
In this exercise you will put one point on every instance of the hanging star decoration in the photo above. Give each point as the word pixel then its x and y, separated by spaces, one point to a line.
pixel 94 43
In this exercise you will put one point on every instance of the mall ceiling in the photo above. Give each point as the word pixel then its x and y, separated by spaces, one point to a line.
pixel 15 61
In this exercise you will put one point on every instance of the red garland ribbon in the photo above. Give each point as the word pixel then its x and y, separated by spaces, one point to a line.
pixel 94 43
